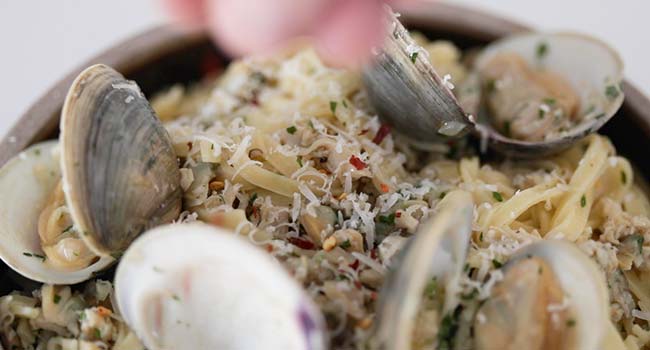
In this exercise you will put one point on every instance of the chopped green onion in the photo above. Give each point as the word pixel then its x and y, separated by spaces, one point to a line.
pixel 542 50
pixel 346 244
pixel 299 160
pixel 387 219
pixel 497 196
pixel 583 201
pixel 57 298
pixel 612 91
pixel 333 106
pixel 496 263
pixel 291 130
pixel 414 56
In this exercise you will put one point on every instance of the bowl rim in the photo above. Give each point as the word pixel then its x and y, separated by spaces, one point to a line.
pixel 41 119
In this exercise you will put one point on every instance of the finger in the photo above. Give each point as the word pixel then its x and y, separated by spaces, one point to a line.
pixel 187 11
pixel 250 26
pixel 347 34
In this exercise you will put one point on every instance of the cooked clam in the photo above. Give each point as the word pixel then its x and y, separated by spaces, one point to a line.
pixel 117 175
pixel 552 296
pixel 217 292
pixel 528 96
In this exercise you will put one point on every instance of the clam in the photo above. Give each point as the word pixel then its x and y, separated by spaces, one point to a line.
pixel 529 95
pixel 71 207
pixel 217 292
pixel 436 252
pixel 552 296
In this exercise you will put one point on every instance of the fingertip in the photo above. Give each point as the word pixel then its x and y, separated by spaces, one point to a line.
pixel 190 12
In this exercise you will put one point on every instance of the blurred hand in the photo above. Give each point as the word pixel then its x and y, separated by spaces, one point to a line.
pixel 343 31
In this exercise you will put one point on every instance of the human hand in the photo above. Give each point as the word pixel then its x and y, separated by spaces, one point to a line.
pixel 342 31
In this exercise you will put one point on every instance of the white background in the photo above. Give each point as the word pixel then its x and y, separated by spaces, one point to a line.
pixel 41 40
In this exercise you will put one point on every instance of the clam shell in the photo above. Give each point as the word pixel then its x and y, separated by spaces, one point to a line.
pixel 593 68
pixel 406 91
pixel 194 286
pixel 26 182
pixel 119 168
pixel 438 250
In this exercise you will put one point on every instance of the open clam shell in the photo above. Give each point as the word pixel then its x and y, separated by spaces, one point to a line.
pixel 437 250
pixel 194 286
pixel 592 68
pixel 120 170
pixel 26 182
pixel 511 318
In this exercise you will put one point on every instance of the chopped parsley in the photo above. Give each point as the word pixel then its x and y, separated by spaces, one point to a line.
pixel 442 195
pixel 414 56
pixel 253 197
pixel 506 128
pixel 496 263
pixel 640 240
pixel 542 50
pixel 346 244
pixel 497 196
pixel 387 219
pixel 98 333
pixel 583 201
pixel 345 104
pixel 570 322
pixel 291 130
pixel 549 101
pixel 176 297
pixel 540 113
pixel 299 160
pixel 431 289
pixel 333 106
pixel 612 91
pixel 34 255
pixel 57 298
pixel 448 330
pixel 623 177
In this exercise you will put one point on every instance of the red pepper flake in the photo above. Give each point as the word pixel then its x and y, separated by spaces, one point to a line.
pixel 384 188
pixel 373 295
pixel 357 284
pixel 301 243
pixel 398 214
pixel 383 131
pixel 357 163
pixel 355 264
pixel 363 132
pixel 269 248
pixel 373 253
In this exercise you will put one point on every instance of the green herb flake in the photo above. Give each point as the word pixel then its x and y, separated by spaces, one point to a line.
pixel 448 329
pixel 623 177
pixel 491 85
pixel 506 128
pixel 98 333
pixel 570 322
pixel 299 160
pixel 346 244
pixel 497 196
pixel 583 201
pixel 540 113
pixel 542 50
pixel 480 237
pixel 176 297
pixel 414 56
pixel 345 104
pixel 431 289
pixel 333 106
pixel 292 129
pixel 496 263
pixel 82 316
pixel 442 195
pixel 57 298
pixel 471 295
pixel 540 270
pixel 639 241
pixel 67 229
pixel 387 219
pixel 612 91
pixel 37 152
pixel 549 101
